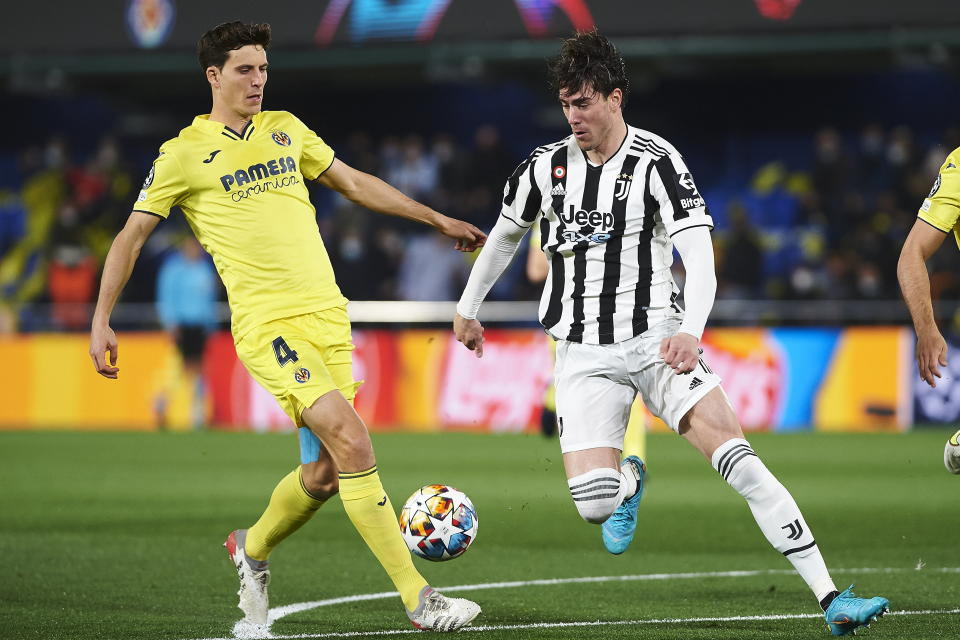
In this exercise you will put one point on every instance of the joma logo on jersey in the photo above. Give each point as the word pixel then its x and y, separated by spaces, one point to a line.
pixel 257 171
pixel 581 217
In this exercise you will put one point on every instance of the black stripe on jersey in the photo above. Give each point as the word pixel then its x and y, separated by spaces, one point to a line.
pixel 555 307
pixel 249 130
pixel 513 221
pixel 513 182
pixel 667 172
pixel 531 208
pixel 591 189
pixel 149 212
pixel 646 144
pixel 611 256
pixel 230 135
pixel 691 227
pixel 644 259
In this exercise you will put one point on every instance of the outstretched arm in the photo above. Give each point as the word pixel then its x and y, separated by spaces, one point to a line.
pixel 116 271
pixel 920 244
pixel 493 260
pixel 373 193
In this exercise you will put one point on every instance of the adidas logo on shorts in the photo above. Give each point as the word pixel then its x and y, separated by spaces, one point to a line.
pixel 696 382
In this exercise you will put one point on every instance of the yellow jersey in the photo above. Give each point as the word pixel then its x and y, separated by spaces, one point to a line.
pixel 941 208
pixel 244 195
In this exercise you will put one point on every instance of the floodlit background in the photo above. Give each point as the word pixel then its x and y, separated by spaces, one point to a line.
pixel 814 128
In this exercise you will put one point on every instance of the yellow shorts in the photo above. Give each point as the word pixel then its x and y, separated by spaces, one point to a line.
pixel 301 358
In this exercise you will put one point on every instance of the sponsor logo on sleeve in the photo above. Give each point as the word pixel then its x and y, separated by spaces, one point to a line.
pixel 687 192
pixel 926 205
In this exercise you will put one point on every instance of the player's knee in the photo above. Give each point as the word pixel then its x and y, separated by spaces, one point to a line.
pixel 596 494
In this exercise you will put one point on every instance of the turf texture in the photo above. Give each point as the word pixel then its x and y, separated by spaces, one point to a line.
pixel 117 535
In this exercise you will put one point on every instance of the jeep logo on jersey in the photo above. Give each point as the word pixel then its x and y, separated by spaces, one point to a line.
pixel 258 171
pixel 582 218
pixel 690 197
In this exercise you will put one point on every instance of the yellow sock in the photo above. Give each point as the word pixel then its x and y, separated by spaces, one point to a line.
pixel 290 506
pixel 370 511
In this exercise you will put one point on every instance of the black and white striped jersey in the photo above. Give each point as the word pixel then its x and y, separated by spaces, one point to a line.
pixel 606 233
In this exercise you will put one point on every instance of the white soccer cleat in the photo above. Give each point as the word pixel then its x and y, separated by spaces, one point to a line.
pixel 254 601
pixel 437 612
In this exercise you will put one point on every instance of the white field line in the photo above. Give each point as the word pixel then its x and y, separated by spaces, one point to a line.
pixel 245 631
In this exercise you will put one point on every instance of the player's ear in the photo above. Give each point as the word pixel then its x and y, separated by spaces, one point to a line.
pixel 616 98
pixel 213 76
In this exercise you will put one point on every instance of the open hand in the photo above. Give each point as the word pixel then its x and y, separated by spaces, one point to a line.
pixel 468 237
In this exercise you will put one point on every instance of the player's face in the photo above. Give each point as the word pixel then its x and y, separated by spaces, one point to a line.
pixel 591 116
pixel 239 85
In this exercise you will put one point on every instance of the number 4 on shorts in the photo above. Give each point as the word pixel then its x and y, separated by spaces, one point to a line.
pixel 283 352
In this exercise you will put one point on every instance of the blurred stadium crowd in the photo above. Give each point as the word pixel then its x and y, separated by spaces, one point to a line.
pixel 826 227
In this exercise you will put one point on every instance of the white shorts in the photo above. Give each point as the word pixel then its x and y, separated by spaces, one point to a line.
pixel 597 384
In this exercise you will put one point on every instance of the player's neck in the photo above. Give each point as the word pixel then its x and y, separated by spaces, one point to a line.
pixel 610 145
pixel 228 117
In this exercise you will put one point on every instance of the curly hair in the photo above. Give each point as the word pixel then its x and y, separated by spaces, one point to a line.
pixel 589 61
pixel 214 47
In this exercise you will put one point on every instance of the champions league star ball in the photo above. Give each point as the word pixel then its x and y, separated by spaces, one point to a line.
pixel 438 522
pixel 951 454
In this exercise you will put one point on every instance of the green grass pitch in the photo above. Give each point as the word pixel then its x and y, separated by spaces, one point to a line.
pixel 118 536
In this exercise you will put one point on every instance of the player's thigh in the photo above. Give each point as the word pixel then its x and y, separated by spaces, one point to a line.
pixel 711 422
pixel 593 397
pixel 333 336
pixel 281 357
pixel 669 395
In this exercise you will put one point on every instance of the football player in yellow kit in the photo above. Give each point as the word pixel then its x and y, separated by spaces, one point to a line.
pixel 239 175
pixel 938 216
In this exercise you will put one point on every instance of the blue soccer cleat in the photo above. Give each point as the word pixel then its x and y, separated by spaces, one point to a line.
pixel 847 612
pixel 619 528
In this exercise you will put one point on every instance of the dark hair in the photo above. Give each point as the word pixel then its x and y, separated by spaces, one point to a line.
pixel 589 61
pixel 215 45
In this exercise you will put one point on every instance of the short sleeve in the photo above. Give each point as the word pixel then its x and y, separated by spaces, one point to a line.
pixel 317 155
pixel 941 208
pixel 522 197
pixel 164 187
pixel 681 204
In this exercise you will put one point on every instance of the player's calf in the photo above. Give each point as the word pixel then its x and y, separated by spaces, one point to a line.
pixel 598 492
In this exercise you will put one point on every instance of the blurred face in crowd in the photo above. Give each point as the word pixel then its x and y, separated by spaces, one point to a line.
pixel 592 117
pixel 238 86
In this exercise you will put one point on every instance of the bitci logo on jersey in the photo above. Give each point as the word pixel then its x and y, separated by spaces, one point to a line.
pixel 690 197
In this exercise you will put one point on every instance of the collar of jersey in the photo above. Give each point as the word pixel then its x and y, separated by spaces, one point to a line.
pixel 623 144
pixel 204 123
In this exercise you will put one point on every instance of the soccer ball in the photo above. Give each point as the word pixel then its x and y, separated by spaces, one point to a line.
pixel 951 454
pixel 438 522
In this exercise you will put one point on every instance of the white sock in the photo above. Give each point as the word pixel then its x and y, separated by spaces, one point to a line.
pixel 597 493
pixel 775 511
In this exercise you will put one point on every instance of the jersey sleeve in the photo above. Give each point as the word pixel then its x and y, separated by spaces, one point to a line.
pixel 681 204
pixel 165 186
pixel 317 155
pixel 522 196
pixel 941 208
